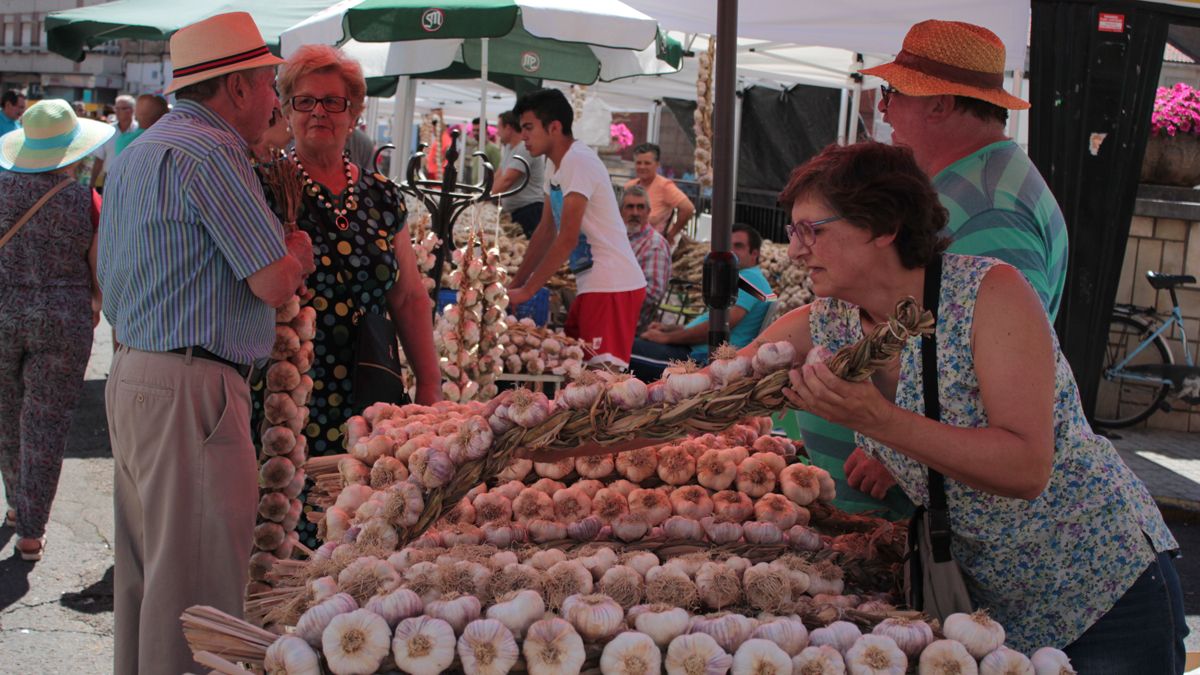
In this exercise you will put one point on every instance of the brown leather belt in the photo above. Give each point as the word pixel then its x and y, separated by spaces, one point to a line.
pixel 201 353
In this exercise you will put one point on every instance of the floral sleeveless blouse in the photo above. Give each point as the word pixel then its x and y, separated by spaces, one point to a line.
pixel 1046 569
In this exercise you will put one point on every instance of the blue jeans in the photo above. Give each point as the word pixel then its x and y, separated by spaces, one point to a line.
pixel 650 358
pixel 528 217
pixel 1142 633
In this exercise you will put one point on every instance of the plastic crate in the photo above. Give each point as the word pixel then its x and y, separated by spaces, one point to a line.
pixel 446 296
pixel 536 308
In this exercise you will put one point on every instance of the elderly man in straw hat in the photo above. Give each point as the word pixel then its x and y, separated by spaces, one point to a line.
pixel 192 265
pixel 945 99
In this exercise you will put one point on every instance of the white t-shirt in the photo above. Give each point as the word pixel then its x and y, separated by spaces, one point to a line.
pixel 603 261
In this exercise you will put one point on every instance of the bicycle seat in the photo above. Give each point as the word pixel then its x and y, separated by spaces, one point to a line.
pixel 1161 281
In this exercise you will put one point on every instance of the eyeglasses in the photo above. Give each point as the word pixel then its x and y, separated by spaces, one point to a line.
pixel 332 104
pixel 804 229
pixel 886 91
pixel 635 207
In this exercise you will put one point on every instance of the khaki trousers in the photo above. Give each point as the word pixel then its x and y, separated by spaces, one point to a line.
pixel 185 496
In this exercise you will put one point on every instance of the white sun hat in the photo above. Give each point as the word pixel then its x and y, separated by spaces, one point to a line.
pixel 51 137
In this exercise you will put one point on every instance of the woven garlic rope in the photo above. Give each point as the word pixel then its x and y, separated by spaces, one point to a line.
pixel 711 412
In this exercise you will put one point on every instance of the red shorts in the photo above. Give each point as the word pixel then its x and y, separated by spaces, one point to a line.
pixel 606 321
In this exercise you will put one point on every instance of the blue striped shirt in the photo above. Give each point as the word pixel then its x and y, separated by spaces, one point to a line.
pixel 184 223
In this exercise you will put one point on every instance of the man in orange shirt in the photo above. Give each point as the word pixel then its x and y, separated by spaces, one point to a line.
pixel 665 196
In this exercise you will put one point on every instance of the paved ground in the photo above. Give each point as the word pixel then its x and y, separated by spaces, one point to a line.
pixel 56 616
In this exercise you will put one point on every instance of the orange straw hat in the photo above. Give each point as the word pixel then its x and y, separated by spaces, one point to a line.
pixel 221 44
pixel 950 57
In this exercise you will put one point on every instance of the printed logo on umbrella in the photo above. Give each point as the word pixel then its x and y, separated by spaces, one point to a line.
pixel 432 20
pixel 531 62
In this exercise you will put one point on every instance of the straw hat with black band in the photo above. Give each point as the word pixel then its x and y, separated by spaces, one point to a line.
pixel 950 57
pixel 51 137
pixel 218 45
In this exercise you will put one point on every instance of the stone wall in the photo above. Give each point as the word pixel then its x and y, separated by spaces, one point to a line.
pixel 1164 236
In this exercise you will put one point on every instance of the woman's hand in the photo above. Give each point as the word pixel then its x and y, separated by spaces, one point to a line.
pixel 518 296
pixel 858 405
pixel 428 393
pixel 866 474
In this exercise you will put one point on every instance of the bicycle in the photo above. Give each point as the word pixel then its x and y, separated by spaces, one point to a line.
pixel 1139 367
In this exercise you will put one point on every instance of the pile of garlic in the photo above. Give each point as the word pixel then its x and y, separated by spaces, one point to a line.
pixel 284 445
pixel 532 350
pixel 425 246
pixel 468 333
pixel 703 115
pixel 788 279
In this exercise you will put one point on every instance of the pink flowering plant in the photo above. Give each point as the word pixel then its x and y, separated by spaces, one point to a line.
pixel 621 134
pixel 1176 111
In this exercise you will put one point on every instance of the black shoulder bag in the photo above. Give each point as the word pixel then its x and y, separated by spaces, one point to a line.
pixel 933 582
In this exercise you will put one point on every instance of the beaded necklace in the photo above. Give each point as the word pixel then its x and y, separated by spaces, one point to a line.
pixel 350 203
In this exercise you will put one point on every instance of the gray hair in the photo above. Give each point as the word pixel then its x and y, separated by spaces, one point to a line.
pixel 636 191
pixel 126 98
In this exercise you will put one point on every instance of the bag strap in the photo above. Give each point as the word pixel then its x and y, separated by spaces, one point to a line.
pixel 939 515
pixel 37 206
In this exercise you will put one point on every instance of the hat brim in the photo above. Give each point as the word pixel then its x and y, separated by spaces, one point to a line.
pixel 16 157
pixel 258 62
pixel 916 83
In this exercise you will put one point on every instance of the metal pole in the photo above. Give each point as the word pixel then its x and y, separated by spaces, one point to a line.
pixel 842 106
pixel 483 94
pixel 720 269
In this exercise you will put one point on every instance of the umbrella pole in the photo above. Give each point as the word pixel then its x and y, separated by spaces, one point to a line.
pixel 720 267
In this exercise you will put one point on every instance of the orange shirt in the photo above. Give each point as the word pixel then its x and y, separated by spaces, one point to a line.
pixel 664 195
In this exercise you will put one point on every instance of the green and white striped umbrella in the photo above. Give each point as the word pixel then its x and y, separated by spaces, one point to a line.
pixel 566 40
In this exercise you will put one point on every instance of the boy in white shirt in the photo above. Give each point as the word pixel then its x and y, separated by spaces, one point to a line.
pixel 582 226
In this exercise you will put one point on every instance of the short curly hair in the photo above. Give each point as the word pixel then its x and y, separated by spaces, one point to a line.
pixel 878 188
pixel 311 59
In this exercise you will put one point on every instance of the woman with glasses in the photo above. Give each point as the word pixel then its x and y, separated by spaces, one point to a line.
pixel 364 256
pixel 1054 534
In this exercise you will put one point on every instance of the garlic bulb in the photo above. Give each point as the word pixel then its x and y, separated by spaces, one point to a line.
pixel 595 466
pixel 773 356
pixel 715 469
pixel 516 470
pixel 755 477
pixel 463 577
pixel 503 535
pixel 637 465
pixel 761 657
pixel 789 634
pixel 565 579
pixel 472 440
pixel 631 653
pixel 623 584
pixel 841 635
pixel 875 655
pixel 528 409
pixel 455 609
pixel 696 654
pixel 777 509
pixel 542 531
pixel 910 635
pixel 532 505
pixel 630 527
pixel 718 585
pixel 691 501
pixel 571 504
pixel 581 394
pixel 727 367
pixel 554 470
pixel 799 484
pixel 491 506
pixel 608 504
pixel 802 538
pixel 355 643
pixel 721 530
pixel 544 559
pixel 596 616
pixel 680 527
pixel 628 393
pixel 404 504
pixel 670 586
pixel 762 533
pixel 552 647
pixel 313 622
pixel 518 610
pixel 652 505
pixel 663 623
pixel 289 655
pixel 395 606
pixel 683 381
pixel 767 588
pixel 1050 661
pixel 819 660
pixel 367 576
pixel 431 468
pixel 624 487
pixel 1005 661
pixel 732 505
pixel 589 486
pixel 977 632
pixel 585 529
pixel 946 657
pixel 729 630
pixel 486 647
pixel 825 578
pixel 676 466
pixel 515 577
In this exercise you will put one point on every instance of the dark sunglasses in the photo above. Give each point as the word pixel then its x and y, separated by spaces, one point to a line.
pixel 332 104
pixel 886 91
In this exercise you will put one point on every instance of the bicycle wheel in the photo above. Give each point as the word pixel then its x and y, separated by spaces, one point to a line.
pixel 1121 401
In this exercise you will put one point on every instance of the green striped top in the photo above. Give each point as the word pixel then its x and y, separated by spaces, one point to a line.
pixel 1001 207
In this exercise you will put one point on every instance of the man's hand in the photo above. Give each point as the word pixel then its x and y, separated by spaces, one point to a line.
pixel 428 393
pixel 299 246
pixel 657 335
pixel 868 475
pixel 518 295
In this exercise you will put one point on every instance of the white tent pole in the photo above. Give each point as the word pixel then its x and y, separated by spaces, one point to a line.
pixel 841 132
pixel 855 100
pixel 370 114
pixel 654 126
pixel 1014 117
pixel 402 113
pixel 737 139
pixel 483 94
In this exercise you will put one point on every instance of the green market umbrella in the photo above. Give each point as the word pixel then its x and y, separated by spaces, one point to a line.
pixel 70 32
pixel 573 41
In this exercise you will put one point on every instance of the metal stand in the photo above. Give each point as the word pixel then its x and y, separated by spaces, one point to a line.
pixel 447 199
